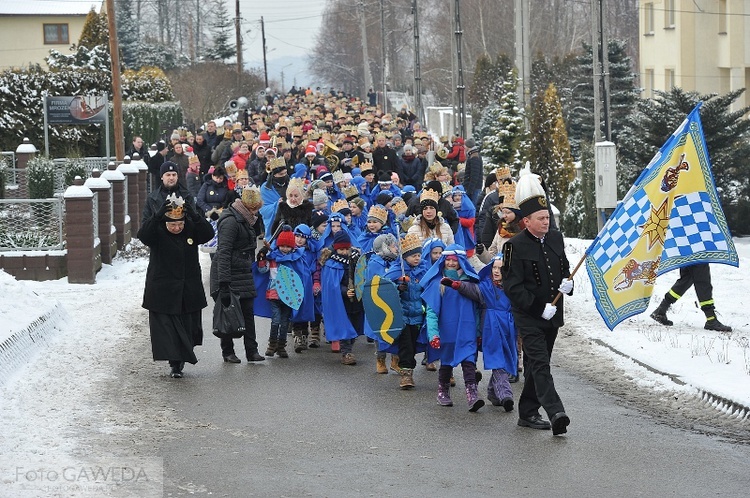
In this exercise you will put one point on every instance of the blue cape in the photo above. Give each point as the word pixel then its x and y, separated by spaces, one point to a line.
pixel 465 237
pixel 376 265
pixel 270 205
pixel 297 261
pixel 427 246
pixel 337 323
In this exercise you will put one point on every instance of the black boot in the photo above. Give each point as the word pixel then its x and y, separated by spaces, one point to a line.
pixel 660 313
pixel 713 323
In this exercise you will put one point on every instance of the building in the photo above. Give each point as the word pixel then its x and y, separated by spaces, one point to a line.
pixel 30 29
pixel 697 45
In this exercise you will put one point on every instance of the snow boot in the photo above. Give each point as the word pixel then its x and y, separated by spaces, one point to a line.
pixel 281 349
pixel 314 342
pixel 394 363
pixel 713 323
pixel 380 366
pixel 472 398
pixel 444 395
pixel 407 378
pixel 271 350
pixel 503 395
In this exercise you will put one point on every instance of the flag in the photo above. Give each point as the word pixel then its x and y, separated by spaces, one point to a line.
pixel 670 218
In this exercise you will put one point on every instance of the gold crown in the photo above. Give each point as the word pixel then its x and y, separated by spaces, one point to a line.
pixel 339 205
pixel 296 131
pixel 409 242
pixel 338 176
pixel 366 166
pixel 379 213
pixel 296 183
pixel 278 162
pixel 350 192
pixel 230 168
pixel 176 209
pixel 251 198
pixel 502 173
pixel 508 192
pixel 429 195
pixel 399 207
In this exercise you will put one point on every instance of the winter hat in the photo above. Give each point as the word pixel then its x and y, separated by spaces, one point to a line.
pixel 530 194
pixel 161 145
pixel 384 198
pixel 175 136
pixel 470 143
pixel 251 198
pixel 435 185
pixel 359 202
pixel 427 198
pixel 410 244
pixel 311 149
pixel 341 240
pixel 408 188
pixel 408 150
pixel 490 180
pixel 286 238
pixel 326 177
pixel 264 138
pixel 384 177
pixel 168 166
pixel 378 213
pixel 303 230
pixel 356 172
pixel 318 218
pixel 319 197
pixel 382 243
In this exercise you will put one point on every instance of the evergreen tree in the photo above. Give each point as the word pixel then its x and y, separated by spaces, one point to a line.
pixel 580 217
pixel 503 130
pixel 95 31
pixel 651 123
pixel 487 85
pixel 549 150
pixel 127 34
pixel 622 90
pixel 221 31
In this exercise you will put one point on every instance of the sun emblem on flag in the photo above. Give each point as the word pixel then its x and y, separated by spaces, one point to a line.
pixel 655 227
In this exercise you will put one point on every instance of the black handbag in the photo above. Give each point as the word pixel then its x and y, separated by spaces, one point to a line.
pixel 228 320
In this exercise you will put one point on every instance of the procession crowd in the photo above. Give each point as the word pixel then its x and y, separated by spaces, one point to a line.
pixel 334 219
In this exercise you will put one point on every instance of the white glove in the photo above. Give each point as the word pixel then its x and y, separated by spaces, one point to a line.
pixel 549 311
pixel 566 286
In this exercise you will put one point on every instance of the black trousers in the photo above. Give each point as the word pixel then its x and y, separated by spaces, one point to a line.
pixel 539 387
pixel 407 346
pixel 251 345
pixel 694 275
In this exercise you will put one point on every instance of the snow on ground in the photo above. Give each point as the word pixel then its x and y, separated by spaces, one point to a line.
pixel 46 403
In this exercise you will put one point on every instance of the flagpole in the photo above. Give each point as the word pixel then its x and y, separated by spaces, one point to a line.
pixel 559 294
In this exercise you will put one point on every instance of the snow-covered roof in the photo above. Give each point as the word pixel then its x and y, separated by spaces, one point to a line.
pixel 46 7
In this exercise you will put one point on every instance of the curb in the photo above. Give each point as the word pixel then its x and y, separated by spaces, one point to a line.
pixel 23 344
pixel 730 408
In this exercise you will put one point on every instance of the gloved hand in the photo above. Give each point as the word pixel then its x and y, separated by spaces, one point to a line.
pixel 214 214
pixel 566 286
pixel 455 284
pixel 163 210
pixel 549 311
pixel 402 287
pixel 191 212
pixel 435 342
pixel 316 288
pixel 224 293
pixel 479 248
pixel 261 256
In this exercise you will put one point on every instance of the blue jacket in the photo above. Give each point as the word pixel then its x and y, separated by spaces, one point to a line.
pixel 411 299
pixel 212 194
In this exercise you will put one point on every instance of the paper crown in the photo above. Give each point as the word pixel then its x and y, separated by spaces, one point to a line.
pixel 398 206
pixel 339 205
pixel 276 165
pixel 241 174
pixel 530 194
pixel 502 173
pixel 338 176
pixel 296 131
pixel 365 166
pixel 508 192
pixel 350 192
pixel 230 168
pixel 296 183
pixel 410 244
pixel 379 213
pixel 251 198
pixel 176 210
pixel 428 195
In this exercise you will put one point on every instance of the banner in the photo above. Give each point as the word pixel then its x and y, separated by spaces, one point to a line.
pixel 670 218
pixel 80 109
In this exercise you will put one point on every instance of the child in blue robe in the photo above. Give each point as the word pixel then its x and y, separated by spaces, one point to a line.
pixel 384 253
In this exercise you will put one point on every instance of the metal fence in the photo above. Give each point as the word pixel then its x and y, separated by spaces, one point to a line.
pixel 32 224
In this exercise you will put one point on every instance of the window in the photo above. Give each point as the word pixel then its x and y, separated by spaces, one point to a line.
pixel 668 79
pixel 56 34
pixel 669 17
pixel 648 12
pixel 722 17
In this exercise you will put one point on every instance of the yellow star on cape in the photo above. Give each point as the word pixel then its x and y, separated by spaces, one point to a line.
pixel 655 227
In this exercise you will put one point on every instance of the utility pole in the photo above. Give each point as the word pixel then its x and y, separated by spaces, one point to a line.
pixel 238 33
pixel 600 60
pixel 365 56
pixel 460 88
pixel 263 36
pixel 523 59
pixel 383 56
pixel 417 68
pixel 114 51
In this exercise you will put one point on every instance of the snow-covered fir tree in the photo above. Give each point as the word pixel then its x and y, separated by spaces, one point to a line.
pixel 549 150
pixel 127 34
pixel 222 48
pixel 501 129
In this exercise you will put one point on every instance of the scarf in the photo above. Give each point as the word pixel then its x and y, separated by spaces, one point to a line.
pixel 245 212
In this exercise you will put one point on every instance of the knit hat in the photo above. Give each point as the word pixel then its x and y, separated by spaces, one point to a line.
pixel 341 240
pixel 168 166
pixel 326 176
pixel 264 138
pixel 311 149
pixel 286 238
pixel 318 218
pixel 491 178
pixel 384 177
pixel 359 202
pixel 303 230
pixel 410 244
pixel 378 213
pixel 160 145
pixel 319 197
pixel 384 198
pixel 382 242
pixel 435 185
pixel 251 198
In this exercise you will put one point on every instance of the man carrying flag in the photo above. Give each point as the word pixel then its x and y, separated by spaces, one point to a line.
pixel 671 218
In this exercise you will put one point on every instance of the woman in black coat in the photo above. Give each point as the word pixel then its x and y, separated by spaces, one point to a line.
pixel 231 268
pixel 174 294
